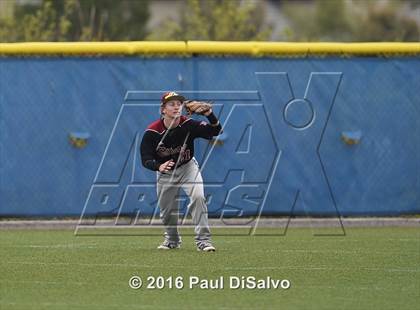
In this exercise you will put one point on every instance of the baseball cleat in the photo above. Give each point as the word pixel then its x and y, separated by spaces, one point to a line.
pixel 206 247
pixel 166 245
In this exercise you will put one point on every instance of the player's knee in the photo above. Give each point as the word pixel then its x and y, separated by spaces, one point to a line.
pixel 197 196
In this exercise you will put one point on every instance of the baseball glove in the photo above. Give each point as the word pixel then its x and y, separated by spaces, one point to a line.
pixel 197 107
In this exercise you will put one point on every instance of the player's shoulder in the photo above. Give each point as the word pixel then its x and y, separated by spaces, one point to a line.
pixel 156 127
pixel 194 123
pixel 184 120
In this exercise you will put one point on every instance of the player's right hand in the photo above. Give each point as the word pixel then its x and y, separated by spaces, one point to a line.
pixel 166 166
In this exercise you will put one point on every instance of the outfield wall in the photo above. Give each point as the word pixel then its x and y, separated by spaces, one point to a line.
pixel 288 127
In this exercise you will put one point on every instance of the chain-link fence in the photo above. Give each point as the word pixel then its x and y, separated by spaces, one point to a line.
pixel 307 136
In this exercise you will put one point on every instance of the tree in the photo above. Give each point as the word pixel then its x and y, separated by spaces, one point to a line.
pixel 77 20
pixel 109 19
pixel 362 21
pixel 218 20
pixel 385 23
pixel 332 20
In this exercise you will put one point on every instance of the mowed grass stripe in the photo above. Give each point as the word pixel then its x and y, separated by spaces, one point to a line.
pixel 369 268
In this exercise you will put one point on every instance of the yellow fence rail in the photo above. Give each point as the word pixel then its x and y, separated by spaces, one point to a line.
pixel 208 48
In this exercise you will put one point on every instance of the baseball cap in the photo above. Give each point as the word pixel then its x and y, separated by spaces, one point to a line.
pixel 171 95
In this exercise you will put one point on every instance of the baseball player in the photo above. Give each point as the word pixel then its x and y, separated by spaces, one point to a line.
pixel 168 148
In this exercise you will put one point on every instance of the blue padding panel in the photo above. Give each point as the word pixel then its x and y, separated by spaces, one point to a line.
pixel 281 152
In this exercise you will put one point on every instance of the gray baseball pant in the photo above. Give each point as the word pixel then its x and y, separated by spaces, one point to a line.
pixel 187 177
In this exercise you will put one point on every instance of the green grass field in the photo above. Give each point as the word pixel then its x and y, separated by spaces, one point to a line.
pixel 369 268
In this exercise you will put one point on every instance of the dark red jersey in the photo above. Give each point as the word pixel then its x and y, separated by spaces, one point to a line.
pixel 160 144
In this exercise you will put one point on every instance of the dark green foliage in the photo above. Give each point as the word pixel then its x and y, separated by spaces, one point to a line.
pixel 344 21
pixel 231 20
pixel 77 20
